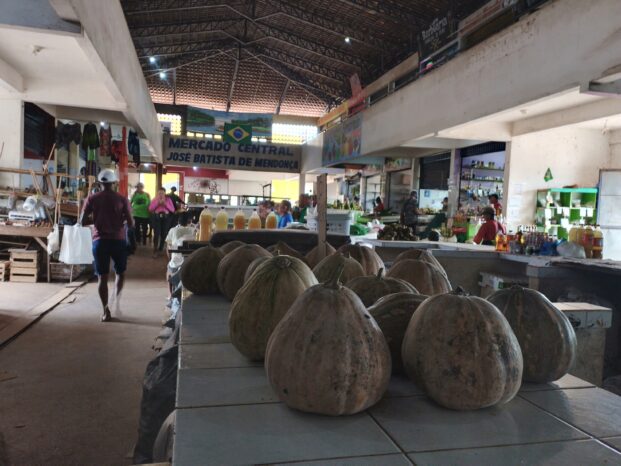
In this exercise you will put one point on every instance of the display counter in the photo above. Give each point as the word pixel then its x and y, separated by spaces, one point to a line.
pixel 227 413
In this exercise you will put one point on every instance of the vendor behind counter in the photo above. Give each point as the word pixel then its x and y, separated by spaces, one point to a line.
pixel 489 229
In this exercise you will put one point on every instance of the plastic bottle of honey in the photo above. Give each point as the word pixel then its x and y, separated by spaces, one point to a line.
pixel 271 222
pixel 598 243
pixel 206 219
pixel 254 223
pixel 574 234
pixel 222 220
pixel 239 221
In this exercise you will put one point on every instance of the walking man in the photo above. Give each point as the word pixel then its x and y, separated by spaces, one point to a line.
pixel 110 212
pixel 409 211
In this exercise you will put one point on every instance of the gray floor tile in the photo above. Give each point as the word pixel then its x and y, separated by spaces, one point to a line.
pixel 614 442
pixel 204 333
pixel 418 424
pixel 211 316
pixel 593 410
pixel 219 387
pixel 400 385
pixel 578 453
pixel 379 460
pixel 567 381
pixel 213 356
pixel 272 433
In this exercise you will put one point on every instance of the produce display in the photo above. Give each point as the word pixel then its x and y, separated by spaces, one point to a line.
pixel 231 246
pixel 420 255
pixel 370 288
pixel 367 257
pixel 328 355
pixel 253 266
pixel 200 270
pixel 546 336
pixel 393 313
pixel 312 258
pixel 425 277
pixel 397 232
pixel 462 352
pixel 326 268
pixel 232 268
pixel 262 302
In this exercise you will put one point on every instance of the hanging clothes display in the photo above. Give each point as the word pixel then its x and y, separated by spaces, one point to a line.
pixel 66 134
pixel 90 142
pixel 105 145
pixel 133 146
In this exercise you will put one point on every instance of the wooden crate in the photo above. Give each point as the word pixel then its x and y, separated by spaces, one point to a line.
pixel 24 258
pixel 24 274
pixel 5 267
pixel 65 272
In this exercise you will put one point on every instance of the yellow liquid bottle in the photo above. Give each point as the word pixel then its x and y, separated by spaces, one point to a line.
pixel 254 223
pixel 222 220
pixel 271 222
pixel 239 221
pixel 206 220
pixel 598 243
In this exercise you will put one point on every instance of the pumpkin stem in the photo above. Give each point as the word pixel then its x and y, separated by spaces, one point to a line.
pixel 334 282
pixel 459 291
pixel 282 262
pixel 380 272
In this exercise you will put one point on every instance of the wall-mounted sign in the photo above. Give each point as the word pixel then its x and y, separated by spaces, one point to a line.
pixel 398 164
pixel 435 36
pixel 184 151
pixel 343 142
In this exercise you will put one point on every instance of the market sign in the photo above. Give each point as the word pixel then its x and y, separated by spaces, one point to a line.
pixel 185 151
pixel 435 36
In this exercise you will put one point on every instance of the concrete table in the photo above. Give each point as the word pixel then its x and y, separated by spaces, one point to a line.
pixel 227 413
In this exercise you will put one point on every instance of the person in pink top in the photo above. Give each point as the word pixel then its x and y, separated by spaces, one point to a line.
pixel 110 212
pixel 161 209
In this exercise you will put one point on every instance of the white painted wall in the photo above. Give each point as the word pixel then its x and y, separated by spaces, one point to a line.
pixel 575 156
pixel 615 149
pixel 11 140
pixel 565 44
pixel 311 154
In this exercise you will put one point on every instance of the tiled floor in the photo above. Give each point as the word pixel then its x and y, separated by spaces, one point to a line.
pixel 228 414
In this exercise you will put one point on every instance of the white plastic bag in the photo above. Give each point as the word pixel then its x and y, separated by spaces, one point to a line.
pixel 77 245
pixel 53 241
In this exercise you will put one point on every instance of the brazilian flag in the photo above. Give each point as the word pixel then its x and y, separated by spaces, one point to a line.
pixel 237 134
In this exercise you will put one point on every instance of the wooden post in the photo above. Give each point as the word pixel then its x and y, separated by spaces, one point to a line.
pixel 322 207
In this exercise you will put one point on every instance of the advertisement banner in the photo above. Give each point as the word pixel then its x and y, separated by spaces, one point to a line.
pixel 183 151
pixel 435 36
pixel 214 121
pixel 343 142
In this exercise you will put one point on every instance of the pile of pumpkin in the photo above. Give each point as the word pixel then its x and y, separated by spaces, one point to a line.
pixel 330 349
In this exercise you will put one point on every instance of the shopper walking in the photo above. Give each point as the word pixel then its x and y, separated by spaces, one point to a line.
pixel 110 213
pixel 162 209
pixel 409 211
pixel 140 210
pixel 177 203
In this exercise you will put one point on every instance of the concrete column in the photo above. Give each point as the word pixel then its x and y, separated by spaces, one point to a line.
pixel 302 183
pixel 11 140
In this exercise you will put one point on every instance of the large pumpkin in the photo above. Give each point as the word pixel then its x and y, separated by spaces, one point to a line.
pixel 199 270
pixel 254 265
pixel 427 278
pixel 264 300
pixel 547 339
pixel 283 249
pixel 420 255
pixel 373 287
pixel 328 355
pixel 462 352
pixel 393 314
pixel 231 246
pixel 367 257
pixel 326 268
pixel 232 268
pixel 312 258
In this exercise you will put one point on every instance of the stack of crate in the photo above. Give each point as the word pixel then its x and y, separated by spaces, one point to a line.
pixel 5 266
pixel 24 265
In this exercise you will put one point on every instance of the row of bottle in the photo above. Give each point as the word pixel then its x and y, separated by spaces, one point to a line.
pixel 239 222
pixel 591 238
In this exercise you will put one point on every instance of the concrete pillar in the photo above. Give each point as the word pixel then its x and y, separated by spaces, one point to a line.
pixel 302 183
pixel 11 140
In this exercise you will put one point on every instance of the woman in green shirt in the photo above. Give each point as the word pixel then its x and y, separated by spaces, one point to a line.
pixel 140 210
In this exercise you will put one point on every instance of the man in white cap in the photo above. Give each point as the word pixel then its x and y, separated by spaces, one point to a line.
pixel 110 212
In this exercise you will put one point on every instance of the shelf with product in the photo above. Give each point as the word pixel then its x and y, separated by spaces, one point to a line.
pixel 558 209
pixel 481 175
